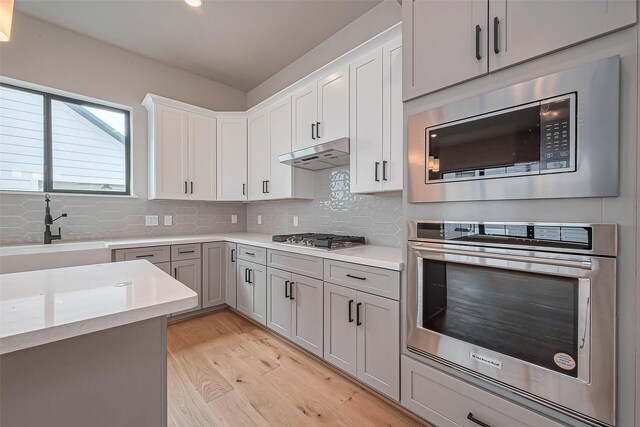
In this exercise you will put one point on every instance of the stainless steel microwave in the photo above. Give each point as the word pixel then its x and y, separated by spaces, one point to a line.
pixel 552 137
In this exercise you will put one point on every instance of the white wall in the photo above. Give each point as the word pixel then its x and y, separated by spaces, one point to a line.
pixel 375 21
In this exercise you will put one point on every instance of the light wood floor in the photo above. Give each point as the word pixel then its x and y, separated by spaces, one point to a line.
pixel 225 371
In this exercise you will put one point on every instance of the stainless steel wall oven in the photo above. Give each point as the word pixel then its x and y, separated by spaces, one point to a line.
pixel 528 306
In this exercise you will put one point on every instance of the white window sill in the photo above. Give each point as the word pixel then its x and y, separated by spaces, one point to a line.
pixel 42 193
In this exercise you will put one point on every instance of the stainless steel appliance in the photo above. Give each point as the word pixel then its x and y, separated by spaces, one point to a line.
pixel 319 240
pixel 555 136
pixel 323 156
pixel 530 307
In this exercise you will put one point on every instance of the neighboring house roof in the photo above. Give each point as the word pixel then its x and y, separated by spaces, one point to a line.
pixel 96 121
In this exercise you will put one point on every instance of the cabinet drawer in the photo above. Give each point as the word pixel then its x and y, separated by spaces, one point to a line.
pixel 252 253
pixel 302 264
pixel 378 281
pixel 446 401
pixel 154 254
pixel 182 252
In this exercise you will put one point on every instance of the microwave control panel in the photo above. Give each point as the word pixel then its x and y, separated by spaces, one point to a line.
pixel 555 134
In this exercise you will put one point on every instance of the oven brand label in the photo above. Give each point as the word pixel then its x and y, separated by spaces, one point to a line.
pixel 486 360
pixel 564 361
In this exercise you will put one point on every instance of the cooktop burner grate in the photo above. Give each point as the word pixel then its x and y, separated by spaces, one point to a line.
pixel 319 240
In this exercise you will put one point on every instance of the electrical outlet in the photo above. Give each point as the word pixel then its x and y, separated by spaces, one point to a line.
pixel 295 220
pixel 234 219
pixel 259 219
pixel 168 220
pixel 151 220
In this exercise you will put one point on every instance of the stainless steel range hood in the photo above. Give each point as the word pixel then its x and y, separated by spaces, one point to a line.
pixel 328 155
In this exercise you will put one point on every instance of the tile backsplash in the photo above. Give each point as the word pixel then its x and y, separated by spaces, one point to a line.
pixel 334 210
pixel 90 218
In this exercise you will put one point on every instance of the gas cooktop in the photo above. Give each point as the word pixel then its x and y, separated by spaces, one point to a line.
pixel 319 240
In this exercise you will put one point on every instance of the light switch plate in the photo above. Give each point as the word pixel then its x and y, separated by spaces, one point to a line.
pixel 234 219
pixel 259 219
pixel 295 220
pixel 168 220
pixel 151 220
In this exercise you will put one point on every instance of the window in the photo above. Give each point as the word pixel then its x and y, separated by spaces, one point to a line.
pixel 57 144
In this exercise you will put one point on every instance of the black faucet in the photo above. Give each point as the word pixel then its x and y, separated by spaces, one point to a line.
pixel 48 222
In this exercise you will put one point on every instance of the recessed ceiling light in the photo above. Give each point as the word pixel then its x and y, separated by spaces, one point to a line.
pixel 194 3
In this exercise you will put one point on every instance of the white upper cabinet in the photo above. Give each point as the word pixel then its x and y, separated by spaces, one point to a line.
pixel 444 43
pixel 448 42
pixel 182 150
pixel 259 155
pixel 280 182
pixel 232 159
pixel 520 30
pixel 321 110
pixel 376 120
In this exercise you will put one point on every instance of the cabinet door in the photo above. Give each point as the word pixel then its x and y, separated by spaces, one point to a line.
pixel 258 278
pixel 442 44
pixel 307 295
pixel 214 273
pixel 189 273
pixel 366 123
pixel 230 258
pixel 202 157
pixel 279 302
pixel 259 156
pixel 340 327
pixel 232 159
pixel 169 154
pixel 529 28
pixel 392 116
pixel 305 114
pixel 333 106
pixel 244 289
pixel 379 343
pixel 279 184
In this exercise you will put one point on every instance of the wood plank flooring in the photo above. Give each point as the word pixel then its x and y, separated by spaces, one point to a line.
pixel 224 370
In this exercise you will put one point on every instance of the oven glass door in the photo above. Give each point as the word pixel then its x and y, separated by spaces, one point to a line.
pixel 506 306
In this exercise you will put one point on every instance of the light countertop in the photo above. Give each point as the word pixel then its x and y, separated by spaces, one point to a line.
pixel 372 255
pixel 39 307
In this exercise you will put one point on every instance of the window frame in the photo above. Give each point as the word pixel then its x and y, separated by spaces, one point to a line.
pixel 47 167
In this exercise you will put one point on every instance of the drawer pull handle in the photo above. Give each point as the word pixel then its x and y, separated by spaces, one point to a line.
pixel 185 252
pixel 144 256
pixel 250 253
pixel 356 277
pixel 473 419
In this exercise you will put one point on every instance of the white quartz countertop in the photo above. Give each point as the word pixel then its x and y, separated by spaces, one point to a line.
pixel 39 307
pixel 372 255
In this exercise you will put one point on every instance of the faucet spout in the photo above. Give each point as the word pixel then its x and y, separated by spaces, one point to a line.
pixel 48 221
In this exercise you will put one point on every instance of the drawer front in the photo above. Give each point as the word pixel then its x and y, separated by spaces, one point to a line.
pixel 183 252
pixel 377 281
pixel 446 401
pixel 302 264
pixel 253 254
pixel 154 254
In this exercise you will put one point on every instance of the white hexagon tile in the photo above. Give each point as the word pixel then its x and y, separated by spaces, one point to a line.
pixel 334 210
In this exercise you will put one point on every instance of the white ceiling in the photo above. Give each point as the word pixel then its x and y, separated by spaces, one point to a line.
pixel 240 43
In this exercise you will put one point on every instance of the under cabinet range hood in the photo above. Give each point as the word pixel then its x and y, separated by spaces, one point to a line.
pixel 323 156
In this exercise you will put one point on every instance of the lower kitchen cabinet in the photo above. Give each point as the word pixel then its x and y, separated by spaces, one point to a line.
pixel 252 290
pixel 189 273
pixel 294 308
pixel 214 272
pixel 230 257
pixel 362 337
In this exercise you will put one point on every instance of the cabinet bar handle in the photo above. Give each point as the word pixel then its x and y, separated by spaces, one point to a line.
pixel 473 419
pixel 478 30
pixel 286 290
pixel 243 189
pixel 350 311
pixel 250 253
pixel 313 131
pixel 250 279
pixel 358 322
pixel 496 31
pixel 246 275
pixel 191 187
pixel 384 170
pixel 185 187
pixel 356 277
pixel 233 255
pixel 267 186
pixel 318 130
pixel 291 290
pixel 377 165
pixel 175 273
pixel 185 252
pixel 144 256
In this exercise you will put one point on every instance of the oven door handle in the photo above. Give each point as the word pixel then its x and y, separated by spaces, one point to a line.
pixel 585 265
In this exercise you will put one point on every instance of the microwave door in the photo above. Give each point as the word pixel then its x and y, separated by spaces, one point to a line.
pixel 533 310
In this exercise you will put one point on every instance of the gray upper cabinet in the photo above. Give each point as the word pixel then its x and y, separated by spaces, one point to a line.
pixel 214 274
pixel 444 43
pixel 230 259
pixel 449 42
